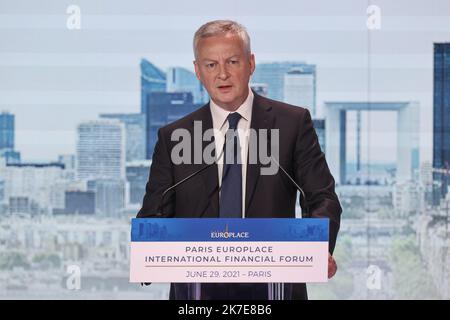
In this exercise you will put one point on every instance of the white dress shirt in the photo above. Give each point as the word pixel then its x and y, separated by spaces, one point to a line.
pixel 220 125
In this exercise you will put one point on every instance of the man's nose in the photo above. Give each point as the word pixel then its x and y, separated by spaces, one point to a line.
pixel 223 72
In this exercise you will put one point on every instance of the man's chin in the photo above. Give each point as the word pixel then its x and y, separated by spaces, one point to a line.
pixel 224 102
pixel 225 96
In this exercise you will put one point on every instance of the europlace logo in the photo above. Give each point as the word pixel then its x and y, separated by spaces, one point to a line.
pixel 228 234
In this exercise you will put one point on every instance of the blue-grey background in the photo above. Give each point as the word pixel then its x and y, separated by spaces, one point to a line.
pixel 55 81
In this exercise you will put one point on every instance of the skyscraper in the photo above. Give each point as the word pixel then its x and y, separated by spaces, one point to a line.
pixel 69 163
pixel 79 202
pixel 68 160
pixel 7 138
pixel 41 183
pixel 273 74
pixel 6 131
pixel 152 80
pixel 182 80
pixel 137 177
pixel 163 108
pixel 408 134
pixel 109 196
pixel 134 134
pixel 101 150
pixel 441 118
pixel 300 88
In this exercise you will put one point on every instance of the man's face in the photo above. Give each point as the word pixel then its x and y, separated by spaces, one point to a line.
pixel 224 68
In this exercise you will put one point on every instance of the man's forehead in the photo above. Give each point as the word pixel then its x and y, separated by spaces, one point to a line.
pixel 222 36
pixel 223 46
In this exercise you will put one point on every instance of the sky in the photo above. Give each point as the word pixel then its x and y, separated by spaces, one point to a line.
pixel 52 78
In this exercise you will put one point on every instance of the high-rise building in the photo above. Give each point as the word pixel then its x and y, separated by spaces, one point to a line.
pixel 101 150
pixel 163 108
pixel 41 183
pixel 79 202
pixel 69 163
pixel 2 193
pixel 11 156
pixel 426 181
pixel 273 74
pixel 109 196
pixel 6 131
pixel 408 134
pixel 21 204
pixel 134 134
pixel 182 80
pixel 68 160
pixel 152 80
pixel 426 173
pixel 137 177
pixel 406 198
pixel 441 119
pixel 300 88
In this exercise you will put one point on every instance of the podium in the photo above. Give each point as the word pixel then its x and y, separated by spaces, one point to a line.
pixel 195 251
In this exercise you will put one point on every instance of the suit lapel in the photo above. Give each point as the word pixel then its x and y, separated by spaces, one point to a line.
pixel 262 118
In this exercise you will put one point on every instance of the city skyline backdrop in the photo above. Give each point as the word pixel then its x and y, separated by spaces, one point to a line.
pixel 49 72
pixel 74 95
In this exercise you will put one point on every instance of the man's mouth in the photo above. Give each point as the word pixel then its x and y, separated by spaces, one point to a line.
pixel 224 88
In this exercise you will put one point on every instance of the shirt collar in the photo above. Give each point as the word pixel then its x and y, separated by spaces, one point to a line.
pixel 220 115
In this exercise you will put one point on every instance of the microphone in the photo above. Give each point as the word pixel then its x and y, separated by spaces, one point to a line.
pixel 160 209
pixel 160 212
pixel 302 193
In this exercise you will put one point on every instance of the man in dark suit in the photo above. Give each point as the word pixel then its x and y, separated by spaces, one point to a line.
pixel 224 64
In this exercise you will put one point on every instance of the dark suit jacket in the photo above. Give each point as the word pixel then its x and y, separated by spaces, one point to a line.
pixel 267 196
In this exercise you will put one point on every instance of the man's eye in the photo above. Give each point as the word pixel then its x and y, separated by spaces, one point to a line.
pixel 210 65
pixel 233 61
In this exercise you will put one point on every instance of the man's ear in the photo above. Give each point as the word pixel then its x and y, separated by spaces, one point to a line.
pixel 252 64
pixel 197 71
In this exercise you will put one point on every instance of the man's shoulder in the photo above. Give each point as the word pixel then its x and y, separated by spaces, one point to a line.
pixel 281 108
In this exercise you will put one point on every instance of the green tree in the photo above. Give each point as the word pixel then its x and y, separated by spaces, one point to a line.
pixel 9 260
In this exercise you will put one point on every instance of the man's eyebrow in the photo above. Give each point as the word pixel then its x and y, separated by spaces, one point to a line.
pixel 212 60
pixel 208 60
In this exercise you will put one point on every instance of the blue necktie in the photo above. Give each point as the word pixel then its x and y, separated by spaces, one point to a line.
pixel 231 189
